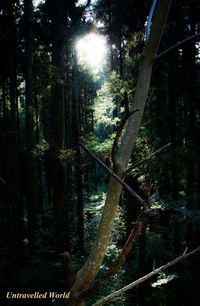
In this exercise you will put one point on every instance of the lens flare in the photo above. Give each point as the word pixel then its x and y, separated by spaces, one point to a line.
pixel 92 51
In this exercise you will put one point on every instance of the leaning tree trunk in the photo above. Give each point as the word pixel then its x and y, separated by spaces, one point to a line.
pixel 90 269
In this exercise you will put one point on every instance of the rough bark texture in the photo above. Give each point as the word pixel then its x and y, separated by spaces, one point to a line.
pixel 89 271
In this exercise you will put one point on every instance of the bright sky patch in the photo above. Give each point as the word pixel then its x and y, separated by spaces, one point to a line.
pixel 92 51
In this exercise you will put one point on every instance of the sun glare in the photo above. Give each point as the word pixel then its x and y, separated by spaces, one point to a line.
pixel 92 51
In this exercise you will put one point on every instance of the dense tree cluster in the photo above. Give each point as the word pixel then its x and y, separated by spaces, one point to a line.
pixel 66 134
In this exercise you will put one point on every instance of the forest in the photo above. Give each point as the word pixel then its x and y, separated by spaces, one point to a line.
pixel 99 152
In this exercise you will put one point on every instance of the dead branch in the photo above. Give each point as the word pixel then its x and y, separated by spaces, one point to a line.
pixel 138 163
pixel 111 172
pixel 120 259
pixel 177 45
pixel 145 277
pixel 119 132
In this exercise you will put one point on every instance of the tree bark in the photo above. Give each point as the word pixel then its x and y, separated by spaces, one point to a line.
pixel 78 170
pixel 58 130
pixel 31 179
pixel 90 269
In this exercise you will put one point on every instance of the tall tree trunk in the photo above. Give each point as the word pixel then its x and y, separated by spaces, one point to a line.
pixel 38 162
pixel 192 140
pixel 15 163
pixel 90 269
pixel 31 175
pixel 78 170
pixel 59 19
pixel 57 134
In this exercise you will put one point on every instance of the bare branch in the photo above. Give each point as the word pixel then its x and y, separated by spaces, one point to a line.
pixel 113 174
pixel 120 259
pixel 138 163
pixel 177 45
pixel 145 277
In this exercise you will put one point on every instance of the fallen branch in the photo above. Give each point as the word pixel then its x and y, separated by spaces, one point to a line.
pixel 113 174
pixel 177 45
pixel 145 277
pixel 138 163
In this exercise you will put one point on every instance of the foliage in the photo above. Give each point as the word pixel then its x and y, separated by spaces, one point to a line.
pixel 41 148
pixel 171 115
pixel 163 279
pixel 102 149
pixel 92 214
pixel 109 102
pixel 68 155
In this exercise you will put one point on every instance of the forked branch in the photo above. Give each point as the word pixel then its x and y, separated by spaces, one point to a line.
pixel 120 259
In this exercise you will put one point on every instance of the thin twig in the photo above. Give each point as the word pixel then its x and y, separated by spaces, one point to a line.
pixel 120 259
pixel 176 45
pixel 138 163
pixel 145 277
pixel 114 175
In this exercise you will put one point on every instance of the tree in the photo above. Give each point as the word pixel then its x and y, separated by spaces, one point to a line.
pixel 87 274
pixel 50 106
pixel 10 142
pixel 31 174
pixel 58 14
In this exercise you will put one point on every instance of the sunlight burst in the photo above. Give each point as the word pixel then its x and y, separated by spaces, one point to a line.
pixel 92 51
